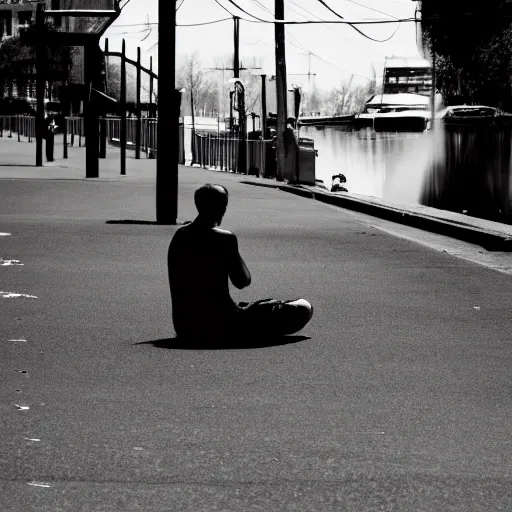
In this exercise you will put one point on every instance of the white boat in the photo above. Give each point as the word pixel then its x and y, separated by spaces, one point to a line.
pixel 404 104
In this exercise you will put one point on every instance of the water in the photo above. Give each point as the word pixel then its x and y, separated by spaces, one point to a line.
pixel 463 170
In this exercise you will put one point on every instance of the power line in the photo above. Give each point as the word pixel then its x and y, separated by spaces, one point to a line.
pixel 263 6
pixel 358 30
pixel 246 12
pixel 285 22
pixel 204 23
pixel 178 8
pixel 327 62
pixel 371 8
pixel 330 28
pixel 306 22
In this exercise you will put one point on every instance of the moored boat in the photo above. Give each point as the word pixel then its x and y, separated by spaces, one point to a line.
pixel 326 120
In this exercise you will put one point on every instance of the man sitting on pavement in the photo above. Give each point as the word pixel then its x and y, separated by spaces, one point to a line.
pixel 202 258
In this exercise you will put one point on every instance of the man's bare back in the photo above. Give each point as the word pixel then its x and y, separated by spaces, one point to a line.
pixel 202 259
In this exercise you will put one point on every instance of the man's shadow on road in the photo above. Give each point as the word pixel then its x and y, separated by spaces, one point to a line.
pixel 238 344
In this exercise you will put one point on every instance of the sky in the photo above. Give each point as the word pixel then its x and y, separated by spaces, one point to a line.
pixel 338 52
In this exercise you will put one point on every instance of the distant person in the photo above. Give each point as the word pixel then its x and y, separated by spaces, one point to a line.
pixel 202 258
pixel 291 148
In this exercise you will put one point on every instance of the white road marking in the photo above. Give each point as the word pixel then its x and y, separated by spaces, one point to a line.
pixel 6 263
pixel 38 484
pixel 13 295
pixel 18 340
pixel 32 439
pixel 5 234
pixel 22 407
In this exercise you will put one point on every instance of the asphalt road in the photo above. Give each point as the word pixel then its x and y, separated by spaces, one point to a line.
pixel 396 397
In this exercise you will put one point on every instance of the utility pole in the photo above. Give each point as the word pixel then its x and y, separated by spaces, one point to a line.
pixel 168 117
pixel 40 83
pixel 263 106
pixel 281 88
pixel 236 53
pixel 122 108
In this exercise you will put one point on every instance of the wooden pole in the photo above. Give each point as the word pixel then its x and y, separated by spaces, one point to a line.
pixel 263 106
pixel 122 107
pixel 107 62
pixel 281 89
pixel 236 53
pixel 151 113
pixel 138 108
pixel 168 118
pixel 40 82
pixel 91 113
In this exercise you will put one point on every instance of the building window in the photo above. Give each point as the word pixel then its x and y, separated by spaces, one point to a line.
pixel 5 23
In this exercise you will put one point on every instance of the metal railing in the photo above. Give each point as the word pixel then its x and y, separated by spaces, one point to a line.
pixel 148 133
pixel 75 129
pixel 222 152
pixel 23 126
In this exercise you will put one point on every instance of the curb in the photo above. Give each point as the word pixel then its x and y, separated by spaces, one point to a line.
pixel 489 240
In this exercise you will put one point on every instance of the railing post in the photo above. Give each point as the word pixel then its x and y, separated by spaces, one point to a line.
pixel 103 138
pixel 65 139
pixel 138 108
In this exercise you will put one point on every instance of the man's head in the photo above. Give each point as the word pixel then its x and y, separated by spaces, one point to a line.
pixel 211 202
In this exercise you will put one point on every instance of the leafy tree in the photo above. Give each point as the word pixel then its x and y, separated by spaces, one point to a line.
pixel 17 62
pixel 472 42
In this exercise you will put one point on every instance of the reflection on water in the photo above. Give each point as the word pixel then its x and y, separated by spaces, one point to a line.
pixel 460 169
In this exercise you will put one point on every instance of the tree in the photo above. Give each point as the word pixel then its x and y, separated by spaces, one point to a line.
pixel 201 90
pixel 472 42
pixel 17 62
pixel 114 81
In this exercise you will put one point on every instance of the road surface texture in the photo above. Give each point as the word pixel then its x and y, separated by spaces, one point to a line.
pixel 396 397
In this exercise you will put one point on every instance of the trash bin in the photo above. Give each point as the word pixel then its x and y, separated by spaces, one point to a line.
pixel 307 155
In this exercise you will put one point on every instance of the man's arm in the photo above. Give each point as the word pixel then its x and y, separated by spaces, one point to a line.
pixel 237 269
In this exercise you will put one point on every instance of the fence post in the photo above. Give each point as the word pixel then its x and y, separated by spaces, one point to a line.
pixel 138 108
pixel 65 138
pixel 103 138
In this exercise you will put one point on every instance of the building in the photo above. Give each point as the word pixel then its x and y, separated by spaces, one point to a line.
pixel 15 15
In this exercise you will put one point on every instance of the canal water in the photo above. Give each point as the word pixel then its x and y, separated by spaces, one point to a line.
pixel 465 170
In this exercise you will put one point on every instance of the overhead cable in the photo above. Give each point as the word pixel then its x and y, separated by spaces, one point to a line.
pixel 360 31
pixel 371 8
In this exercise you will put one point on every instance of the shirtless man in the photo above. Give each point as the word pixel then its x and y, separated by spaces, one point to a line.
pixel 202 259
